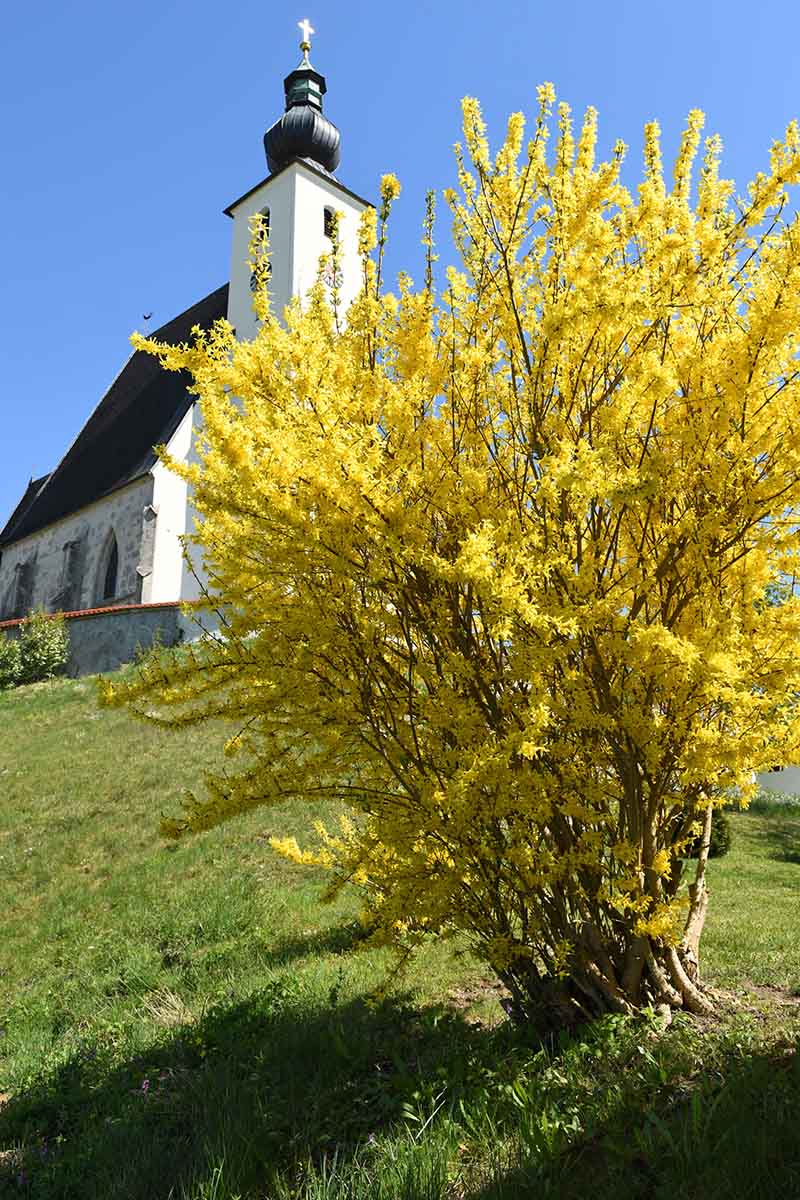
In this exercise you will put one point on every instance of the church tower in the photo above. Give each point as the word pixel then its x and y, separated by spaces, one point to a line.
pixel 298 199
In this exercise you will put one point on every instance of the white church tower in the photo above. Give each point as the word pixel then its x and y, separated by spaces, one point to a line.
pixel 298 199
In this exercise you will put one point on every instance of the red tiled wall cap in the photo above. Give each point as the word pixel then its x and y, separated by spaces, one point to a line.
pixel 93 612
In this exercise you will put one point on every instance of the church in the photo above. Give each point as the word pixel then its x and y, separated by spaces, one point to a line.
pixel 104 528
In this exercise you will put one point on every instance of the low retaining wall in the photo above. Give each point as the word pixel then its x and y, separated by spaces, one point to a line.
pixel 102 639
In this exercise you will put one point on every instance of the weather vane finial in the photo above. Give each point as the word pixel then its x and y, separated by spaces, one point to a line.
pixel 305 45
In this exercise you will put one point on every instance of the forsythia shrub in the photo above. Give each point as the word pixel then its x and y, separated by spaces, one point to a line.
pixel 498 562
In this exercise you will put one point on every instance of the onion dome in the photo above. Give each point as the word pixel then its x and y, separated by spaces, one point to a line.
pixel 303 131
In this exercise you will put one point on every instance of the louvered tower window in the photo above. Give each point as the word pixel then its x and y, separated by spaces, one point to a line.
pixel 254 274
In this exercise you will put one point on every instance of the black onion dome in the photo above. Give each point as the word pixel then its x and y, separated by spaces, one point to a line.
pixel 303 131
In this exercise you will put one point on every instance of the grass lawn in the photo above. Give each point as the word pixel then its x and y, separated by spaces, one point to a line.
pixel 187 1022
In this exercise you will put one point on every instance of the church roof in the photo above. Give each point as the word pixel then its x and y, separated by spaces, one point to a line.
pixel 142 408
pixel 29 495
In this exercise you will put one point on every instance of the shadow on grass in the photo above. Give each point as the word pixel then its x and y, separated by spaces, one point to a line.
pixel 254 1097
pixel 266 1086
pixel 338 939
pixel 780 832
pixel 735 1138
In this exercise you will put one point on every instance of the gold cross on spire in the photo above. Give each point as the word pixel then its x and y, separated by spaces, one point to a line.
pixel 305 45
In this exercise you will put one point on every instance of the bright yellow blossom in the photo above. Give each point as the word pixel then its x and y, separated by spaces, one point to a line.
pixel 499 566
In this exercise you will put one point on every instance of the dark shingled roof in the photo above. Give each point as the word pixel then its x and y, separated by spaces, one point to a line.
pixel 142 408
pixel 28 497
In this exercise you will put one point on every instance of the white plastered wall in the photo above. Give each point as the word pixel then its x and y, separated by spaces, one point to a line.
pixel 297 198
pixel 313 194
pixel 278 195
pixel 194 578
pixel 170 499
pixel 786 781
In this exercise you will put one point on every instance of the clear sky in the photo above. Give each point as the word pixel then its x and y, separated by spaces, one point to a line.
pixel 126 131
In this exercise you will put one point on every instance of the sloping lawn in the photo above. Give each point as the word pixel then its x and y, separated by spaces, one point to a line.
pixel 753 933
pixel 188 1022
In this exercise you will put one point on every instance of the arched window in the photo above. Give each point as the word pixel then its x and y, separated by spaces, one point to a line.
pixel 110 583
pixel 23 590
pixel 108 573
pixel 68 596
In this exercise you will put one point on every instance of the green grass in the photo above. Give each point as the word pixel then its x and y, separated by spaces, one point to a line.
pixel 753 932
pixel 188 1022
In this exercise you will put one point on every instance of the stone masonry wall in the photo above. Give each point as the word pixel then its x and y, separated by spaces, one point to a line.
pixel 65 562
pixel 104 639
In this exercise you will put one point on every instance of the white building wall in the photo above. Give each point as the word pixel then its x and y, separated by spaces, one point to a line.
pixel 786 780
pixel 170 500
pixel 194 578
pixel 297 198
pixel 278 195
pixel 313 194
pixel 124 512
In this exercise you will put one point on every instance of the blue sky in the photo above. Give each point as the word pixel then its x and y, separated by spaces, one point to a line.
pixel 126 132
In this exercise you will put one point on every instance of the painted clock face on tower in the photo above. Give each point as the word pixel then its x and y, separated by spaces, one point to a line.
pixel 332 278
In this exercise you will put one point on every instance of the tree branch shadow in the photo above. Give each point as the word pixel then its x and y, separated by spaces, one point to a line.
pixel 336 939
pixel 270 1087
pixel 266 1086
pixel 781 835
pixel 732 1137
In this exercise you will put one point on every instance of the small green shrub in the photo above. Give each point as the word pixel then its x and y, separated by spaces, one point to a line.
pixel 44 647
pixel 770 803
pixel 10 662
pixel 721 836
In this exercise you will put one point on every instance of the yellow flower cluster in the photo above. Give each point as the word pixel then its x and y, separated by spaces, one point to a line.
pixel 498 566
